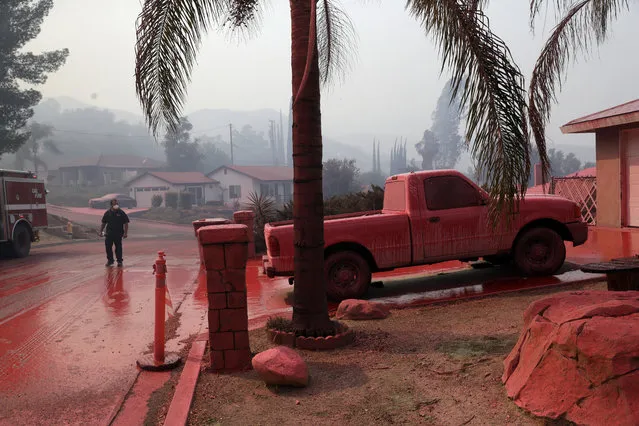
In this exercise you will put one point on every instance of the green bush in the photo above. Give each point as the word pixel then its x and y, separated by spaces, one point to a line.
pixel 171 199
pixel 341 204
pixel 186 200
pixel 156 200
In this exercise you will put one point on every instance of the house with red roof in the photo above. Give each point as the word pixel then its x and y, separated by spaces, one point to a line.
pixel 204 189
pixel 616 132
pixel 104 170
pixel 237 182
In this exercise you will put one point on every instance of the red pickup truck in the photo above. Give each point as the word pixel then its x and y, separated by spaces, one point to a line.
pixel 430 217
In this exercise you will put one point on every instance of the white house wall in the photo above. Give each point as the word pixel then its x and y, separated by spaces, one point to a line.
pixel 232 177
pixel 212 192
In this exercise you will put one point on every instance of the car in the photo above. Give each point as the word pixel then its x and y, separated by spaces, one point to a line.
pixel 104 201
pixel 430 217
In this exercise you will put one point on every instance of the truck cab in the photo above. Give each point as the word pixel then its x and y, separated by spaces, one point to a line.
pixel 23 211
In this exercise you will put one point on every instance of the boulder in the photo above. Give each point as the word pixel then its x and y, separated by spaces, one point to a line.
pixel 578 358
pixel 281 366
pixel 353 309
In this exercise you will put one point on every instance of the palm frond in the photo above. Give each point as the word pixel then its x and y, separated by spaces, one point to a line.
pixel 169 33
pixel 584 24
pixel 336 40
pixel 493 93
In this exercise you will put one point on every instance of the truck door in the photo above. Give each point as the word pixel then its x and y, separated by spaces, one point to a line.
pixel 38 204
pixel 455 223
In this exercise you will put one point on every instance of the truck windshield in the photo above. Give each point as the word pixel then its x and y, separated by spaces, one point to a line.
pixel 395 196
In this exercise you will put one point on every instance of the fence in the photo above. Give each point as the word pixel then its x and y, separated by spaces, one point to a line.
pixel 580 189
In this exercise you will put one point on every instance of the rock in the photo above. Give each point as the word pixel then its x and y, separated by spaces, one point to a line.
pixel 578 358
pixel 353 309
pixel 281 366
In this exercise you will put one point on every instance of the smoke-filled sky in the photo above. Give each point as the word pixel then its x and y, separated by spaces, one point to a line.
pixel 392 88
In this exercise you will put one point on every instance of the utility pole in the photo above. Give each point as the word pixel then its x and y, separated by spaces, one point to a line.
pixel 231 139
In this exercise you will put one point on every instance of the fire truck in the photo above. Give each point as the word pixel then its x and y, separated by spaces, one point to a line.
pixel 23 211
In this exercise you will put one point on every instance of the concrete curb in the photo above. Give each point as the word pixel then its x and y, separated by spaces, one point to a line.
pixel 180 406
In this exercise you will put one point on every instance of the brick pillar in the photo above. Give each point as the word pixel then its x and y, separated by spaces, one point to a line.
pixel 225 252
pixel 200 223
pixel 247 217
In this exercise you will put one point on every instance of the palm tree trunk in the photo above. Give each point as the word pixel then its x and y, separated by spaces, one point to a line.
pixel 310 307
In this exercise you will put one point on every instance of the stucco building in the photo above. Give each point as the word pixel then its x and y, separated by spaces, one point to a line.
pixel 616 131
pixel 237 182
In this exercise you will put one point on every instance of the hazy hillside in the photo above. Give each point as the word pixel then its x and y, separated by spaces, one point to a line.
pixel 85 130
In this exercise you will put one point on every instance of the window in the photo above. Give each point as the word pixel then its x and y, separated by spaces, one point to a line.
pixel 267 189
pixel 450 192
pixel 235 191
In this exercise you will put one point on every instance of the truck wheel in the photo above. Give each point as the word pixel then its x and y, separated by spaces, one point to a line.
pixel 540 251
pixel 348 275
pixel 21 243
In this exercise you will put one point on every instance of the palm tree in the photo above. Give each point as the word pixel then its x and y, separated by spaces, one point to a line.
pixel 583 24
pixel 169 33
pixel 30 151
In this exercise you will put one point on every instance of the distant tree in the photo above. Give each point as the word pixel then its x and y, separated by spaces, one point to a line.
pixel 339 177
pixel 212 157
pixel 589 164
pixel 20 22
pixel 445 127
pixel 182 155
pixel 372 178
pixel 39 141
pixel 412 166
pixel 561 164
pixel 428 149
pixel 442 144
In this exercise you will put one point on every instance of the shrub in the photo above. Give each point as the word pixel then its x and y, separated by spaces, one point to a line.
pixel 265 212
pixel 156 200
pixel 186 200
pixel 171 199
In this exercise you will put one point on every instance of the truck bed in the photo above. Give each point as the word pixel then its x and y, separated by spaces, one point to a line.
pixel 331 217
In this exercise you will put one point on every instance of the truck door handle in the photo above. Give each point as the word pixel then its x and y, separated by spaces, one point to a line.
pixel 434 219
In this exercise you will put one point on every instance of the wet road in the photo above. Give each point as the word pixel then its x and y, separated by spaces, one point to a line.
pixel 71 330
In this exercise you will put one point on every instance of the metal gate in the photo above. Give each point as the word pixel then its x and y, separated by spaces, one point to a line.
pixel 580 189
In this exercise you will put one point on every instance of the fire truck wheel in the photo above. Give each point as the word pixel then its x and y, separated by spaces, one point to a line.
pixel 21 244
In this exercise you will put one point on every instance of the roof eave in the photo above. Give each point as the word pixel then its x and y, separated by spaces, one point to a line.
pixel 591 126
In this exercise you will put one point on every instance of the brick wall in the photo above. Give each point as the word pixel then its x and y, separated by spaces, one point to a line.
pixel 225 252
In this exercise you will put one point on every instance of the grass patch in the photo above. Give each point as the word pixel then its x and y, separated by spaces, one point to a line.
pixel 472 347
pixel 185 217
pixel 280 324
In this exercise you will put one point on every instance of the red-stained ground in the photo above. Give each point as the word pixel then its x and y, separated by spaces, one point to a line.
pixel 71 330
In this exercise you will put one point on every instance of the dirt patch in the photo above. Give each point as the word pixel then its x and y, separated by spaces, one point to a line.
pixel 170 330
pixel 439 365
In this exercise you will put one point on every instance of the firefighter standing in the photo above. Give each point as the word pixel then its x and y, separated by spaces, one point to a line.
pixel 117 228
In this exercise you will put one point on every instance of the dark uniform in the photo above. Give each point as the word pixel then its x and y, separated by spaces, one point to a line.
pixel 114 221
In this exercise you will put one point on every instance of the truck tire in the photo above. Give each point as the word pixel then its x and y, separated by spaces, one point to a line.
pixel 348 275
pixel 539 251
pixel 21 242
